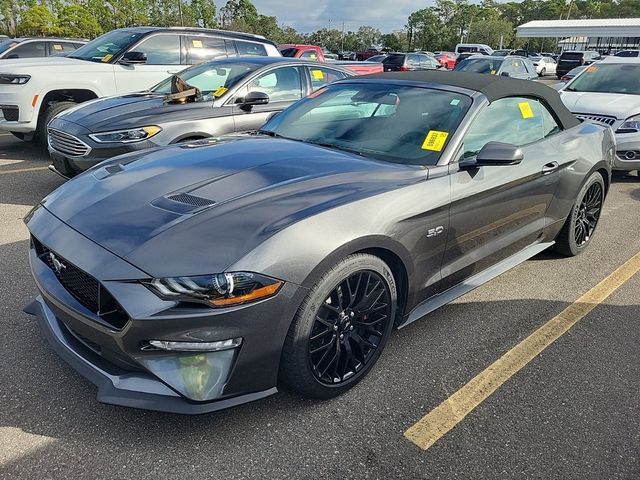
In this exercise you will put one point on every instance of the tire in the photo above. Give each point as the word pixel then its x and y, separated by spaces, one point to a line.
pixel 319 326
pixel 49 113
pixel 543 72
pixel 580 226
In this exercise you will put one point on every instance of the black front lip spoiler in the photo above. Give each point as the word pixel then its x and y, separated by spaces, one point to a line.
pixel 131 389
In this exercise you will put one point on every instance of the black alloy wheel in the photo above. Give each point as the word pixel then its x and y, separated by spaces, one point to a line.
pixel 588 214
pixel 349 327
pixel 580 226
pixel 340 328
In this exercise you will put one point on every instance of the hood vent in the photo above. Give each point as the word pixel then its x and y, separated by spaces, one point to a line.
pixel 191 200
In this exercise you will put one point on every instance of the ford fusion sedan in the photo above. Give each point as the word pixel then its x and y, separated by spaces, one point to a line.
pixel 608 93
pixel 232 95
pixel 199 276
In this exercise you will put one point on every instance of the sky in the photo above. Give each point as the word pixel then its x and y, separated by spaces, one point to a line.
pixel 310 15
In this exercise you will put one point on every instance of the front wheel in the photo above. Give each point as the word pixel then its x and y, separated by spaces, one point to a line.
pixel 578 230
pixel 341 328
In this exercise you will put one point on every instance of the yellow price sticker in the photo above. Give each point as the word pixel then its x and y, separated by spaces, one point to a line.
pixel 525 110
pixel 57 46
pixel 107 57
pixel 435 140
pixel 592 69
pixel 317 74
pixel 493 72
pixel 220 91
pixel 196 43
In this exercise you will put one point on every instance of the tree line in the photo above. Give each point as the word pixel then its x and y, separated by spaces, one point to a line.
pixel 438 27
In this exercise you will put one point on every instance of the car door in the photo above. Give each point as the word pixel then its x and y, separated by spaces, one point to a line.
pixel 413 61
pixel 497 211
pixel 284 85
pixel 164 58
pixel 203 48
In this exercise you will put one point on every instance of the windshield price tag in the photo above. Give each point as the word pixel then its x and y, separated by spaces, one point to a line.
pixel 57 46
pixel 196 43
pixel 525 110
pixel 107 57
pixel 435 140
pixel 220 91
pixel 317 74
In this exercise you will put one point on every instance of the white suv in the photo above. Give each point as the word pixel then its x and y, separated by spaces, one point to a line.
pixel 608 93
pixel 33 91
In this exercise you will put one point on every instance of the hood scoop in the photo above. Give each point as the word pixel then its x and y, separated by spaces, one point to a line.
pixel 182 203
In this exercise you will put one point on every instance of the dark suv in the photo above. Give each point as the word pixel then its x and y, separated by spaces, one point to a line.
pixel 570 60
pixel 406 62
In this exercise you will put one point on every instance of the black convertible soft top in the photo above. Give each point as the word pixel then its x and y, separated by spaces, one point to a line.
pixel 491 86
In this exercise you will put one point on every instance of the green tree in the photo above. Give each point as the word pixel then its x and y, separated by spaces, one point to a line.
pixel 203 12
pixel 37 21
pixel 76 21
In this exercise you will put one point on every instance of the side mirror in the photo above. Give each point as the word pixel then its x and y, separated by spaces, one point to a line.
pixel 495 154
pixel 254 98
pixel 505 74
pixel 131 58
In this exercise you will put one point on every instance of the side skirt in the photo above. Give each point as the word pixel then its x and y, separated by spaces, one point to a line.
pixel 473 282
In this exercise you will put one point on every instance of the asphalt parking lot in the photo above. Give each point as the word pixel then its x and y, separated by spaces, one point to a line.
pixel 571 412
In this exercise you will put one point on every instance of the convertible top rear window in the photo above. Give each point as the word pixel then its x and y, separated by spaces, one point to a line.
pixel 394 123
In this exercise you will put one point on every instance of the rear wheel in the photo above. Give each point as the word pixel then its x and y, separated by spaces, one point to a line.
pixel 581 224
pixel 543 72
pixel 341 328
pixel 53 110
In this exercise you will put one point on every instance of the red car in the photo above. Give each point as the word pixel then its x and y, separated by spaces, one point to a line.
pixel 446 59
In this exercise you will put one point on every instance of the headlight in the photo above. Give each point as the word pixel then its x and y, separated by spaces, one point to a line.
pixel 630 125
pixel 219 290
pixel 126 136
pixel 6 78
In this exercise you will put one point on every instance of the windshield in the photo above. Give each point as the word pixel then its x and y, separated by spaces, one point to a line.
pixel 107 46
pixel 479 65
pixel 608 78
pixel 213 78
pixel 6 45
pixel 400 124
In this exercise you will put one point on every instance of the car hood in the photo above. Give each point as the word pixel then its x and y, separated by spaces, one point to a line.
pixel 196 209
pixel 133 110
pixel 614 104
pixel 26 65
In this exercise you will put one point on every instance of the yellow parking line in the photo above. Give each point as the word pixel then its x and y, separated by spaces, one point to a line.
pixel 430 428
pixel 22 170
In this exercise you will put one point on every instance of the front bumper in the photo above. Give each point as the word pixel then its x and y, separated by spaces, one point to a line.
pixel 119 387
pixel 113 355
pixel 625 143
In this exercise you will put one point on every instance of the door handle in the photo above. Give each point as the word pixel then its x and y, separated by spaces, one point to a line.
pixel 550 167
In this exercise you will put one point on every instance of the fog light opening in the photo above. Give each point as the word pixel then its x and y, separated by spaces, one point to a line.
pixel 177 346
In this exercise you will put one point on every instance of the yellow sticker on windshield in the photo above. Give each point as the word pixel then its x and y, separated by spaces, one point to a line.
pixel 317 74
pixel 493 72
pixel 107 57
pixel 435 140
pixel 196 43
pixel 525 110
pixel 220 91
pixel 592 69
pixel 57 46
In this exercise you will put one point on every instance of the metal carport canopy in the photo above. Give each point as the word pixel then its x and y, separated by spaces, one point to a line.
pixel 605 27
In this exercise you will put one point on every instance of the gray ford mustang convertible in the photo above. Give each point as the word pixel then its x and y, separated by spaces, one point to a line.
pixel 198 276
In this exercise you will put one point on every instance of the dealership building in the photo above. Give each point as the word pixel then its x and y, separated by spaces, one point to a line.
pixel 604 35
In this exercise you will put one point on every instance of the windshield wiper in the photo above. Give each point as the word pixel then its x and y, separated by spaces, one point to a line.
pixel 337 147
pixel 271 133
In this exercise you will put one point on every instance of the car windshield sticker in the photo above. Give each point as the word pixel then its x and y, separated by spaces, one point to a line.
pixel 220 91
pixel 107 57
pixel 454 102
pixel 57 46
pixel 435 140
pixel 317 74
pixel 592 69
pixel 313 56
pixel 525 110
pixel 196 43
pixel 493 72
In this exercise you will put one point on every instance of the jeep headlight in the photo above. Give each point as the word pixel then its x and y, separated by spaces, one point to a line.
pixel 9 79
pixel 126 136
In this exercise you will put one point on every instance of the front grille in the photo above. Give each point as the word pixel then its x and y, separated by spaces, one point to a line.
pixel 594 117
pixel 10 113
pixel 83 287
pixel 67 143
pixel 191 200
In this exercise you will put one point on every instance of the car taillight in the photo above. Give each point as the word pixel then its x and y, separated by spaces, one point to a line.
pixel 565 78
pixel 404 68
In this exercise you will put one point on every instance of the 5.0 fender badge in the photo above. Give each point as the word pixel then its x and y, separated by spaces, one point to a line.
pixel 432 232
